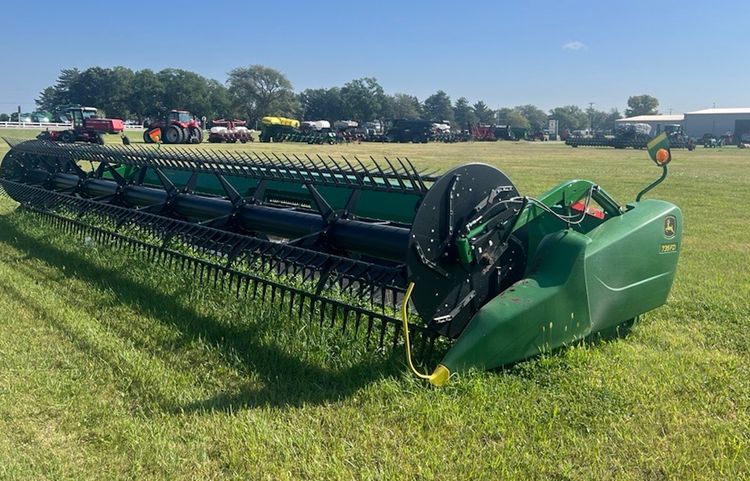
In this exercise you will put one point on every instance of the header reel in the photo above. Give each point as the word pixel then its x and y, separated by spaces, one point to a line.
pixel 500 274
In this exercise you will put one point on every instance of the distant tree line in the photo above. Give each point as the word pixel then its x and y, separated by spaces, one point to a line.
pixel 256 91
pixel 122 93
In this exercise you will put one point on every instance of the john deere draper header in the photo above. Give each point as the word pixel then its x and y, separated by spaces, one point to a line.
pixel 501 276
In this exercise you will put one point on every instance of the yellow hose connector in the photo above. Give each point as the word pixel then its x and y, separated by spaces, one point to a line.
pixel 441 373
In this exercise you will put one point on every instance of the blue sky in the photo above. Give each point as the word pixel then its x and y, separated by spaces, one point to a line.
pixel 689 55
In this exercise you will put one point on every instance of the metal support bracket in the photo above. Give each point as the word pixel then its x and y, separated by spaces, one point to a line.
pixel 323 207
pixel 464 302
pixel 428 262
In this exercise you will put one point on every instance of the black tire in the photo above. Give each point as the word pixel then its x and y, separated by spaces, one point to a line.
pixel 99 139
pixel 68 137
pixel 194 135
pixel 146 137
pixel 173 135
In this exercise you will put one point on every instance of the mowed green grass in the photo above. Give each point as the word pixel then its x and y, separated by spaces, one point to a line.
pixel 110 369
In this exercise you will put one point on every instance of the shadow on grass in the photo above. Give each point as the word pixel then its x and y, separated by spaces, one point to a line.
pixel 286 380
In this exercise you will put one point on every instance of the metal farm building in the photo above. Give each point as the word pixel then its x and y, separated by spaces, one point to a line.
pixel 717 122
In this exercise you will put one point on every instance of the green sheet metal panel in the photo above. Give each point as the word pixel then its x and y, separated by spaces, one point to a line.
pixel 373 204
pixel 632 261
pixel 576 285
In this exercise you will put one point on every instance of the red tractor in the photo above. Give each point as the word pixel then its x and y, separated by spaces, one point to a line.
pixel 87 127
pixel 180 127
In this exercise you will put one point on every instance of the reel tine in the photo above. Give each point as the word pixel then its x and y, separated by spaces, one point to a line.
pixel 381 339
pixel 369 329
pixel 396 332
pixel 417 175
pixel 357 321
pixel 396 174
pixel 233 262
pixel 353 172
pixel 344 319
pixel 323 305
pixel 333 314
pixel 387 182
pixel 301 307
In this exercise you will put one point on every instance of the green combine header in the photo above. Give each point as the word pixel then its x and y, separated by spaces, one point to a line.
pixel 499 276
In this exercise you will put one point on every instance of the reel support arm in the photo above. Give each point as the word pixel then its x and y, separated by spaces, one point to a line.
pixel 649 187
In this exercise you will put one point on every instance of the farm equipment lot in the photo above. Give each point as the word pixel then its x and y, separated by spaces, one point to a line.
pixel 114 369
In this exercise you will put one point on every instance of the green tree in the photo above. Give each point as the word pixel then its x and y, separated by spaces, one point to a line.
pixel 185 90
pixel 321 104
pixel 609 120
pixel 536 117
pixel 512 117
pixel 463 114
pixel 403 106
pixel 516 119
pixel 438 107
pixel 642 105
pixel 108 89
pixel 483 113
pixel 364 100
pixel 502 115
pixel 120 92
pixel 4 117
pixel 219 102
pixel 147 98
pixel 56 97
pixel 570 117
pixel 601 120
pixel 259 91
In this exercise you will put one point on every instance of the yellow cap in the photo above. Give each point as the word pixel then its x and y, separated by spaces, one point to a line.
pixel 440 375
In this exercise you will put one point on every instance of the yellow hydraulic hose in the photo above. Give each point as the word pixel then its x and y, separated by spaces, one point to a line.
pixel 441 373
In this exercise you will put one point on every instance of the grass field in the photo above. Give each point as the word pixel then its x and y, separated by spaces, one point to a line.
pixel 114 370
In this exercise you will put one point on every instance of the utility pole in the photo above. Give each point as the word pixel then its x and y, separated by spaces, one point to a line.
pixel 591 117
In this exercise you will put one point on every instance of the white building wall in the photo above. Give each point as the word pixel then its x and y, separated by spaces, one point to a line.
pixel 696 125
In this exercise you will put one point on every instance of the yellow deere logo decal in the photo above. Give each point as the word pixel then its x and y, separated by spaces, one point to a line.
pixel 670 226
